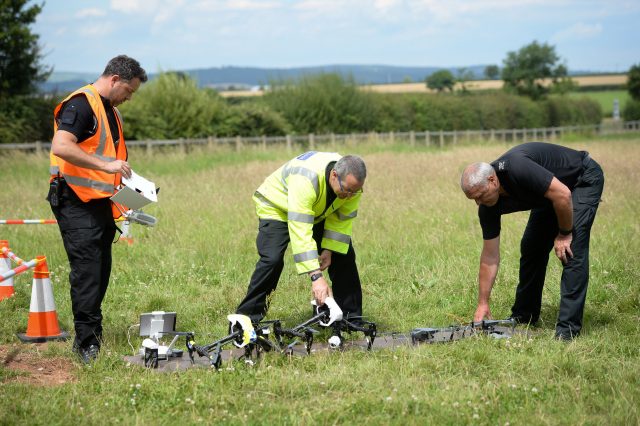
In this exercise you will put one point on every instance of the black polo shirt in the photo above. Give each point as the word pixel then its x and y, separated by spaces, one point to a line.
pixel 525 173
pixel 76 116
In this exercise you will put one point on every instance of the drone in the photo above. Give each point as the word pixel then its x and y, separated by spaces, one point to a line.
pixel 493 328
pixel 327 315
pixel 241 334
pixel 254 337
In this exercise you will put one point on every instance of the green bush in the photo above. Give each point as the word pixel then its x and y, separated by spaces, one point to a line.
pixel 563 111
pixel 26 119
pixel 172 106
pixel 252 119
pixel 631 111
pixel 323 103
pixel 419 112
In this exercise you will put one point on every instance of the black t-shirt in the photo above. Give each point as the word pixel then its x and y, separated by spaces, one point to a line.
pixel 525 173
pixel 76 116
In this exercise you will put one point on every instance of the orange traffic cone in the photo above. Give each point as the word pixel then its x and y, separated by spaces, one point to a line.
pixel 43 319
pixel 6 286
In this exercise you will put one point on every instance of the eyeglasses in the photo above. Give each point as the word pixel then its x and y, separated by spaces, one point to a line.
pixel 349 193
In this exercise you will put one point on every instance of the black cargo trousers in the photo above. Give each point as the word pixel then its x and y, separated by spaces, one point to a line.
pixel 536 246
pixel 88 231
pixel 272 241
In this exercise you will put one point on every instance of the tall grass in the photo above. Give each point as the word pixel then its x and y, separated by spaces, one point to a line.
pixel 418 243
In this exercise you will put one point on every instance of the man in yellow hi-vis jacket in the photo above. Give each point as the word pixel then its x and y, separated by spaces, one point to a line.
pixel 310 201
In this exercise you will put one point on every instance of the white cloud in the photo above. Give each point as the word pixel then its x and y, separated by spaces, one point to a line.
pixel 90 13
pixel 146 7
pixel 319 7
pixel 386 5
pixel 251 5
pixel 134 6
pixel 578 31
pixel 97 30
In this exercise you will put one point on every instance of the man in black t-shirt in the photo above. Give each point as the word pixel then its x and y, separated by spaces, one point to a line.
pixel 88 157
pixel 562 188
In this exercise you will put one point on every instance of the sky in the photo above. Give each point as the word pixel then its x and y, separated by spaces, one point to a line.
pixel 81 35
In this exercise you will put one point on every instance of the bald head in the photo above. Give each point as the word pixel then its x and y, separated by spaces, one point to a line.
pixel 476 175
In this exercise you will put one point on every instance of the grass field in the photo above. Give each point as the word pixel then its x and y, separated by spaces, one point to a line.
pixel 420 87
pixel 418 243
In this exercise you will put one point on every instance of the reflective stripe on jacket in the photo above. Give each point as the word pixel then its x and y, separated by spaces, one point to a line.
pixel 297 193
pixel 91 184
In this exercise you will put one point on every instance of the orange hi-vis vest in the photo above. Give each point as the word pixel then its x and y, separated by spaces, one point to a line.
pixel 91 184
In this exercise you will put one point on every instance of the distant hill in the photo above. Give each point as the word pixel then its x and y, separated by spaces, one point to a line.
pixel 246 77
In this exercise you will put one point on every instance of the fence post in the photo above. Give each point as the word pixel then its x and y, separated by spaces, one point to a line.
pixel 441 138
pixel 455 137
pixel 535 134
pixel 391 138
pixel 238 143
pixel 264 142
pixel 312 142
pixel 149 147
pixel 288 143
pixel 412 138
pixel 333 141
pixel 492 135
pixel 38 147
pixel 427 137
pixel 181 146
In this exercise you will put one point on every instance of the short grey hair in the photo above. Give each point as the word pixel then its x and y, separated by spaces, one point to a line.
pixel 126 67
pixel 476 174
pixel 351 165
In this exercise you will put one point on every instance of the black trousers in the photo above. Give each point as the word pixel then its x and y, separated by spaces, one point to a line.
pixel 87 231
pixel 535 248
pixel 272 241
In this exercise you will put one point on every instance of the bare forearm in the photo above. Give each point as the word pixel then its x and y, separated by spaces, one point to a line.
pixel 564 213
pixel 486 279
pixel 65 146
pixel 560 197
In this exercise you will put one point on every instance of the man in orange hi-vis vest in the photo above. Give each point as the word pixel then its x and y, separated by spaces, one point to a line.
pixel 88 158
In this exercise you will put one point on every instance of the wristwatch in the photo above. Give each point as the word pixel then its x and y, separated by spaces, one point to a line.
pixel 316 276
pixel 565 232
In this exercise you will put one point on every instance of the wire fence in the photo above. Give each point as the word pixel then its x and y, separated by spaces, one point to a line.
pixel 427 138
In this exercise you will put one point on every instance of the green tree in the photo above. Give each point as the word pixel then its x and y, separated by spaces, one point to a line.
pixel 525 70
pixel 464 75
pixel 633 82
pixel 492 72
pixel 323 103
pixel 20 55
pixel 441 80
pixel 172 106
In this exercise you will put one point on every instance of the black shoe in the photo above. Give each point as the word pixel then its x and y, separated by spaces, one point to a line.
pixel 522 319
pixel 565 336
pixel 87 355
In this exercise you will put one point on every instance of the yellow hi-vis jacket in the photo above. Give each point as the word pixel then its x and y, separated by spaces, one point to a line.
pixel 91 184
pixel 296 193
